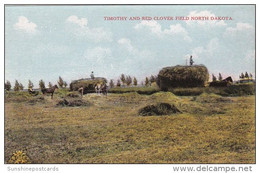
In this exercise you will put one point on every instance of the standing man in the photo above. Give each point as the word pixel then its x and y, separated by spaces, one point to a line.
pixel 92 75
pixel 191 61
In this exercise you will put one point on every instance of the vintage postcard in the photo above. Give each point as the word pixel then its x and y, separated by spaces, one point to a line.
pixel 130 84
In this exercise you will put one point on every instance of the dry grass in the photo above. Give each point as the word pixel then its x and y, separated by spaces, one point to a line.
pixel 110 130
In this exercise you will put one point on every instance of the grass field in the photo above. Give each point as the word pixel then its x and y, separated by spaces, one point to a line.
pixel 209 129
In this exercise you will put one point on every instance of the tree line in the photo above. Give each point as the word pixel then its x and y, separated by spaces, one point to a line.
pixel 127 80
pixel 19 86
pixel 214 78
pixel 245 76
pixel 241 77
pixel 124 80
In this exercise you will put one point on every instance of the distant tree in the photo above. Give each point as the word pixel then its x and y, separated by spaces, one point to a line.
pixel 111 84
pixel 152 78
pixel 214 78
pixel 50 85
pixel 191 61
pixel 135 81
pixel 65 84
pixel 242 76
pixel 128 80
pixel 251 76
pixel 123 79
pixel 60 82
pixel 246 75
pixel 219 77
pixel 21 87
pixel 30 84
pixel 142 83
pixel 118 84
pixel 8 85
pixel 146 81
pixel 16 86
pixel 42 84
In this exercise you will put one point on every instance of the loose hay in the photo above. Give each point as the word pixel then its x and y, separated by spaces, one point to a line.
pixel 73 103
pixel 211 98
pixel 35 100
pixel 158 109
pixel 73 95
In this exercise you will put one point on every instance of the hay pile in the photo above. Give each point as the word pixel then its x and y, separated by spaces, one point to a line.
pixel 73 94
pixel 182 76
pixel 35 100
pixel 158 109
pixel 88 84
pixel 212 98
pixel 73 103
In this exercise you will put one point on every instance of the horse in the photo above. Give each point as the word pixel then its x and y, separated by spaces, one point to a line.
pixel 98 88
pixel 223 83
pixel 49 90
pixel 104 89
pixel 228 79
pixel 81 90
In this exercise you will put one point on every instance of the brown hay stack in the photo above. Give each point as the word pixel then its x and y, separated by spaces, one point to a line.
pixel 183 76
pixel 88 84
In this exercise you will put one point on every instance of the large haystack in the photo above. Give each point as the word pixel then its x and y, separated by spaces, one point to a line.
pixel 88 84
pixel 183 76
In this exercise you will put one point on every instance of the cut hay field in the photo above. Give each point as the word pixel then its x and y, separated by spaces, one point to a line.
pixel 108 129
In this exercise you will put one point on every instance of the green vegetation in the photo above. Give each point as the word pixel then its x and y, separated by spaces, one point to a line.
pixel 209 129
pixel 139 90
pixel 232 90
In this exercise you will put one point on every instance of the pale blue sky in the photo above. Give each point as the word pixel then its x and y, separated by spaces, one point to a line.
pixel 45 42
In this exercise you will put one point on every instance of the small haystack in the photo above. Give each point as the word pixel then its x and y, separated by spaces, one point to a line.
pixel 158 109
pixel 73 103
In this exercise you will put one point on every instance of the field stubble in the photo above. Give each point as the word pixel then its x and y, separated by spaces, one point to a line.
pixel 209 129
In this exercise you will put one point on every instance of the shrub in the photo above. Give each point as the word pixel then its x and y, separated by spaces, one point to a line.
pixel 182 76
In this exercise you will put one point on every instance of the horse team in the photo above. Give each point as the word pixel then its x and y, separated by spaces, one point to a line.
pixel 99 89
